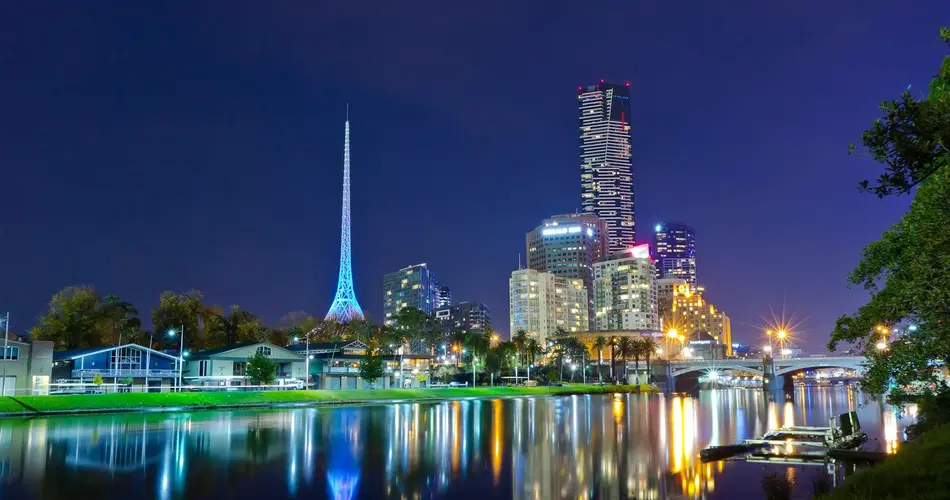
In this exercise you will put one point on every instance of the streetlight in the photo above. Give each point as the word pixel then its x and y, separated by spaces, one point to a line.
pixel 881 346
pixel 181 351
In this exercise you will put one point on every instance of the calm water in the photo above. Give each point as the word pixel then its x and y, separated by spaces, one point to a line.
pixel 630 446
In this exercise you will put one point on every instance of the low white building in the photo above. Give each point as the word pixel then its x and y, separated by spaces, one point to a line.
pixel 227 366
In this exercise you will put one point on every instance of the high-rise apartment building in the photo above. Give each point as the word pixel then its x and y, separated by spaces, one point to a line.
pixel 697 319
pixel 540 303
pixel 675 246
pixel 665 289
pixel 625 295
pixel 568 246
pixel 413 286
pixel 465 317
pixel 606 167
pixel 445 297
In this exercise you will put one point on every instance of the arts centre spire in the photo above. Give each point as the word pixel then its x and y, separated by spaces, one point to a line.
pixel 345 306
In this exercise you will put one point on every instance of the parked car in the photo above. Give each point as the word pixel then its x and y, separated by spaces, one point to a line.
pixel 458 384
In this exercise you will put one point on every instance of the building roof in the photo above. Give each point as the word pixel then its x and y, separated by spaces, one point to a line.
pixel 207 353
pixel 318 347
pixel 81 353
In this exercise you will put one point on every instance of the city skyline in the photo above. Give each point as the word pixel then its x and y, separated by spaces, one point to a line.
pixel 218 167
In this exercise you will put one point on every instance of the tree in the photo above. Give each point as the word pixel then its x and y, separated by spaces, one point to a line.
pixel 232 327
pixel 520 340
pixel 613 342
pixel 371 368
pixel 649 349
pixel 599 344
pixel 261 370
pixel 624 350
pixel 532 350
pixel 636 350
pixel 122 318
pixel 75 319
pixel 457 339
pixel 175 311
pixel 907 271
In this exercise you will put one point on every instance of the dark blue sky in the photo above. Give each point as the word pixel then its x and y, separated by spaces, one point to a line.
pixel 150 146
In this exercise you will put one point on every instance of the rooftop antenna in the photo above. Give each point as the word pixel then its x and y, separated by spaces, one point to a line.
pixel 519 261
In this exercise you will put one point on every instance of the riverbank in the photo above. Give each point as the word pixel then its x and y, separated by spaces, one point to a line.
pixel 179 401
pixel 920 470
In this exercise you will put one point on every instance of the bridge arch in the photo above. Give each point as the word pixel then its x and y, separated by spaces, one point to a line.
pixel 782 368
pixel 752 366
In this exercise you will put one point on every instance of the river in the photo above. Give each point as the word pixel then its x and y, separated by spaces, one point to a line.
pixel 603 446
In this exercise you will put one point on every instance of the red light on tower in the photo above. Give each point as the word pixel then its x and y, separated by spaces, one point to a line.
pixel 579 88
pixel 601 80
pixel 627 84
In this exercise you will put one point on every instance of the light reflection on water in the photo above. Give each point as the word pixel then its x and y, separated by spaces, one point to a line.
pixel 611 446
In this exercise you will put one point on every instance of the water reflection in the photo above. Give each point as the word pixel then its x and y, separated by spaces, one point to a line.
pixel 614 446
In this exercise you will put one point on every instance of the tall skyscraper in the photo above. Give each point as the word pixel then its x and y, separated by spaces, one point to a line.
pixel 606 168
pixel 540 303
pixel 675 246
pixel 625 291
pixel 568 245
pixel 413 286
pixel 345 306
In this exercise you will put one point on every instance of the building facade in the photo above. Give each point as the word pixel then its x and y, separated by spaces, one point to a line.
pixel 541 303
pixel 697 319
pixel 227 366
pixel 26 366
pixel 128 364
pixel 675 246
pixel 336 365
pixel 568 246
pixel 465 317
pixel 606 167
pixel 665 288
pixel 413 286
pixel 625 295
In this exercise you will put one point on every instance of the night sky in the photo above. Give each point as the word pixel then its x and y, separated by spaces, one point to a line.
pixel 151 146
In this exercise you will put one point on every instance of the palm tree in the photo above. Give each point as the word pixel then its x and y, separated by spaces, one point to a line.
pixel 457 339
pixel 613 354
pixel 636 351
pixel 599 344
pixel 532 350
pixel 624 349
pixel 520 338
pixel 649 348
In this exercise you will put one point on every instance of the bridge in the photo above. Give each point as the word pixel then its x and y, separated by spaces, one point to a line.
pixel 772 371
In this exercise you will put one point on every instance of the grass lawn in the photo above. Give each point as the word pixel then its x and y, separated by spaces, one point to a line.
pixel 139 401
pixel 8 405
pixel 920 470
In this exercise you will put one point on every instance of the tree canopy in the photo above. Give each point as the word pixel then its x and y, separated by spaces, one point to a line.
pixel 907 271
pixel 77 318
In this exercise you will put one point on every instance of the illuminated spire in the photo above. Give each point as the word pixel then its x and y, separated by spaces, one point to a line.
pixel 345 307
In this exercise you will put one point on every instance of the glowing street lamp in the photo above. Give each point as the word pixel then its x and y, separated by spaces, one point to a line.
pixel 181 350
pixel 881 346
